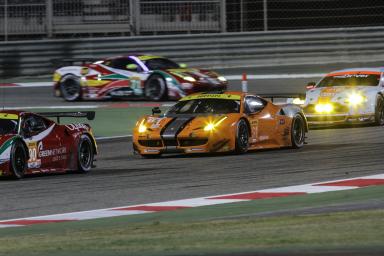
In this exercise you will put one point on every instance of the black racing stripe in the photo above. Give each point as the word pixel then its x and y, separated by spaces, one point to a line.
pixel 174 127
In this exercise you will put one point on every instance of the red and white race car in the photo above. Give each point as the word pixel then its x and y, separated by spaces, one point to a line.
pixel 124 77
pixel 31 143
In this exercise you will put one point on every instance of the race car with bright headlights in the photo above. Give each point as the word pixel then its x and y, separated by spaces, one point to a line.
pixel 220 122
pixel 132 76
pixel 347 96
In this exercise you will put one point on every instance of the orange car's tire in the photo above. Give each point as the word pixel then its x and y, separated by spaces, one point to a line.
pixel 242 137
pixel 155 88
pixel 379 113
pixel 85 154
pixel 70 87
pixel 19 159
pixel 298 131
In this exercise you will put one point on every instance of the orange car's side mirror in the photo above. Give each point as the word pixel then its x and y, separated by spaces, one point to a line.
pixel 156 110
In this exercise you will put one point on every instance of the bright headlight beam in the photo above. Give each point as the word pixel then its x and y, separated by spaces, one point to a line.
pixel 142 127
pixel 355 99
pixel 212 126
pixel 324 108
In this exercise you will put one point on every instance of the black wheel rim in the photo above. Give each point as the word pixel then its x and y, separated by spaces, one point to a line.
pixel 20 160
pixel 70 89
pixel 154 88
pixel 298 132
pixel 243 136
pixel 85 154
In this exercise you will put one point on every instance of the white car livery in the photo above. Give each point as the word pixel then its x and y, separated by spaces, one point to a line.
pixel 347 96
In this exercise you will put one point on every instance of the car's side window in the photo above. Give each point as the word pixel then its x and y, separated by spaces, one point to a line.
pixel 254 104
pixel 125 64
pixel 32 125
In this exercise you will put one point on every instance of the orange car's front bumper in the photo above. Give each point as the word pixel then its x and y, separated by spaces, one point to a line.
pixel 188 145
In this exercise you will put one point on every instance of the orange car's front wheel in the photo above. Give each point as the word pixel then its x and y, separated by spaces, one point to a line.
pixel 298 131
pixel 242 137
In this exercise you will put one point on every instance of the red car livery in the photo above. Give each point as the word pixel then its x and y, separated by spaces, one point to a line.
pixel 31 143
pixel 124 77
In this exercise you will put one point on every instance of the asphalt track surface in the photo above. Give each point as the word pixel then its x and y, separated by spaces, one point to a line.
pixel 122 178
pixel 43 96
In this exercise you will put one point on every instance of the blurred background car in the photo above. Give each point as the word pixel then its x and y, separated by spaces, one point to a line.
pixel 153 77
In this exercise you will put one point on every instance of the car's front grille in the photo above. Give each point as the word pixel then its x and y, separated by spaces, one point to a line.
pixel 151 143
pixel 325 118
pixel 170 143
pixel 192 142
pixel 337 108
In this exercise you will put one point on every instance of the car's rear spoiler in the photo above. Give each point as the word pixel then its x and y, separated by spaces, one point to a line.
pixel 58 63
pixel 90 115
pixel 272 97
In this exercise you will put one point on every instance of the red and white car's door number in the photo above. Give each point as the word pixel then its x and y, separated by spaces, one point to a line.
pixel 34 161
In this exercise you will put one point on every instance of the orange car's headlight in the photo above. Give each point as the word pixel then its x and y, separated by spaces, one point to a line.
pixel 142 127
pixel 211 126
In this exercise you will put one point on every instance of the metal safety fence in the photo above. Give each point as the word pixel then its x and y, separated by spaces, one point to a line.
pixel 30 19
pixel 41 19
pixel 255 15
pixel 180 16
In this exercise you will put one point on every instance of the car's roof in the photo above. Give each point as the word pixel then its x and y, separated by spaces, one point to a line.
pixel 358 70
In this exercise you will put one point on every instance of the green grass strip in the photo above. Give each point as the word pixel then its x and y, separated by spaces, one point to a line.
pixel 230 228
pixel 108 121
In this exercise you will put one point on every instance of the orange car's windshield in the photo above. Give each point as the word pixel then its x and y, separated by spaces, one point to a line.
pixel 205 106
pixel 350 80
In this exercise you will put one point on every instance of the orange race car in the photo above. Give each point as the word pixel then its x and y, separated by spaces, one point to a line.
pixel 220 122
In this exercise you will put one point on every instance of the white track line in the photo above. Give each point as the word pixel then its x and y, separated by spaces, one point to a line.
pixel 320 187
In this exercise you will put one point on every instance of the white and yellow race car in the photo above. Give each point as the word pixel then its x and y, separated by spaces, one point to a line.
pixel 346 96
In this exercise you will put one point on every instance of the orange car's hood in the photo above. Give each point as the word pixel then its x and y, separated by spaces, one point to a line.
pixel 174 124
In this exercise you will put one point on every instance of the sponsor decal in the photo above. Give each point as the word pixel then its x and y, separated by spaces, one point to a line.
pixel 154 121
pixel 76 127
pixel 352 75
pixel 212 96
pixel 53 152
pixel 329 92
pixel 8 116
pixel 282 121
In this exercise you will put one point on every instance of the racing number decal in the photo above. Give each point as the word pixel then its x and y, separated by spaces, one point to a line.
pixel 135 84
pixel 34 161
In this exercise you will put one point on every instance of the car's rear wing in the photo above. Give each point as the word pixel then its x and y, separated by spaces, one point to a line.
pixel 90 115
pixel 58 63
pixel 288 97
